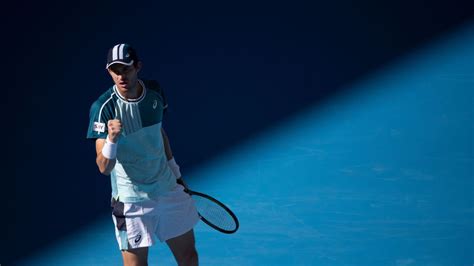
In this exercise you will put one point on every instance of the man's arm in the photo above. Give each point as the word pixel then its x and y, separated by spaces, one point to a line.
pixel 166 142
pixel 106 149
pixel 171 162
pixel 105 165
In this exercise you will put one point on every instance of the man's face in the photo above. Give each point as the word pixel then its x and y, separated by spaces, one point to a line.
pixel 125 77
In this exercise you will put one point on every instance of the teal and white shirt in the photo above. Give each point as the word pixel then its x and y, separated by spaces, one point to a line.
pixel 141 171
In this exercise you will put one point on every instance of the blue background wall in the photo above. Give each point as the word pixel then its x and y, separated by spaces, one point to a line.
pixel 230 70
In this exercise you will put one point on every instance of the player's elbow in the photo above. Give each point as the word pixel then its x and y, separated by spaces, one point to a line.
pixel 104 170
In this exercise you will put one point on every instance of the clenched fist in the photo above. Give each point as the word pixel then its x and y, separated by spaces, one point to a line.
pixel 114 128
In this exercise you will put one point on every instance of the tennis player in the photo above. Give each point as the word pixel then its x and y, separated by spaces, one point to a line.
pixel 148 200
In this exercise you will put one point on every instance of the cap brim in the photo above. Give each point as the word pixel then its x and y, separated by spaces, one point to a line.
pixel 118 62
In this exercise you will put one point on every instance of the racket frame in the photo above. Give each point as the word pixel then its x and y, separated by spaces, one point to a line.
pixel 234 217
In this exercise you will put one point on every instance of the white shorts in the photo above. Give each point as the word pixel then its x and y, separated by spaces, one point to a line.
pixel 139 224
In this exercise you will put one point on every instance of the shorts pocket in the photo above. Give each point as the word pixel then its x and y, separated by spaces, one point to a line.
pixel 117 211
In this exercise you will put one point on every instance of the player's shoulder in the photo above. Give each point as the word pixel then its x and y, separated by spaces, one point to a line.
pixel 153 85
pixel 103 99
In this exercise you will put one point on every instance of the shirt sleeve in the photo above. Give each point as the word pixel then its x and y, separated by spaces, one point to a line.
pixel 154 85
pixel 99 115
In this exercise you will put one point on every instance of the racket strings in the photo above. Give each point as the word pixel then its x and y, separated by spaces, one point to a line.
pixel 214 213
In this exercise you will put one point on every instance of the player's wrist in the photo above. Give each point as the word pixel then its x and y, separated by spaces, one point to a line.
pixel 112 139
pixel 109 150
pixel 174 168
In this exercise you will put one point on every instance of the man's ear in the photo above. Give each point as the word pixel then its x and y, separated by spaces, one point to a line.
pixel 139 66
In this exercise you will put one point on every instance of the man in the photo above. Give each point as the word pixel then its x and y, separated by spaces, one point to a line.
pixel 133 148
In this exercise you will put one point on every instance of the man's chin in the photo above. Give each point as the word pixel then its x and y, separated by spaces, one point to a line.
pixel 123 87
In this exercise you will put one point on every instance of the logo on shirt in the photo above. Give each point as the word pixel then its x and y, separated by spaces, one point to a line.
pixel 99 127
pixel 138 238
pixel 155 103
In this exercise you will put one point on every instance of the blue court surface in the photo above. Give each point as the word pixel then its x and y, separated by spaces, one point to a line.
pixel 381 174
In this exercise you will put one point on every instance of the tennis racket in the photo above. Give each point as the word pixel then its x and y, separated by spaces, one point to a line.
pixel 214 213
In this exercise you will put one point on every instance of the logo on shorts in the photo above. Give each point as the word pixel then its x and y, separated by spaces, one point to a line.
pixel 138 238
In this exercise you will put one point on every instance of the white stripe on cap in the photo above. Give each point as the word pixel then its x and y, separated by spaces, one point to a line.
pixel 114 52
pixel 121 51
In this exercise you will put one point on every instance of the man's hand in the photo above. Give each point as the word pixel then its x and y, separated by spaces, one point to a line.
pixel 114 128
pixel 182 183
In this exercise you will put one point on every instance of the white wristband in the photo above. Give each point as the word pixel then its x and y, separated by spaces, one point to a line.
pixel 174 168
pixel 109 150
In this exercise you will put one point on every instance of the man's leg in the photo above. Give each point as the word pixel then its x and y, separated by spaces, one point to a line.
pixel 183 249
pixel 135 257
